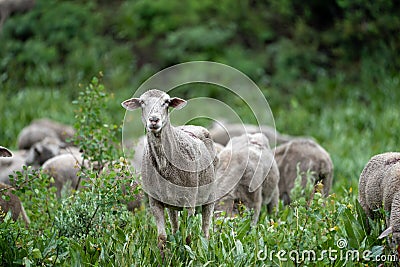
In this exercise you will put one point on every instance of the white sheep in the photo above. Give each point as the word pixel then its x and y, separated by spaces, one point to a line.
pixel 221 132
pixel 63 131
pixel 247 163
pixel 178 162
pixel 10 165
pixel 13 204
pixel 43 150
pixel 379 186
pixel 298 157
pixel 64 169
pixel 38 130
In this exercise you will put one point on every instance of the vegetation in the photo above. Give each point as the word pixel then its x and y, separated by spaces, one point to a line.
pixel 328 69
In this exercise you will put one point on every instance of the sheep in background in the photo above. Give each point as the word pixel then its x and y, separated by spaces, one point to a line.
pixel 43 150
pixel 222 132
pixel 32 134
pixel 300 156
pixel 379 186
pixel 10 165
pixel 13 204
pixel 218 148
pixel 63 131
pixel 247 164
pixel 64 169
pixel 40 129
pixel 174 157
pixel 48 148
pixel 138 148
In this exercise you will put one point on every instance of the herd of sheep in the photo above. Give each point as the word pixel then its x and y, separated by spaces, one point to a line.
pixel 216 168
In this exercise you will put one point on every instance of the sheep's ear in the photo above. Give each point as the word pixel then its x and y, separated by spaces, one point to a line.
pixel 131 104
pixel 385 233
pixel 177 102
pixel 4 152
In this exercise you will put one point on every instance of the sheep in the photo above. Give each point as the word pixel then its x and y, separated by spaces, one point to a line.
pixel 63 131
pixel 10 165
pixel 300 156
pixel 32 134
pixel 247 163
pixel 379 186
pixel 64 169
pixel 178 167
pixel 13 204
pixel 4 152
pixel 138 148
pixel 221 132
pixel 43 150
pixel 47 148
pixel 42 128
pixel 218 147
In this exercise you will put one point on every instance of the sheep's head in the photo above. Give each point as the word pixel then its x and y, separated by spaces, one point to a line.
pixel 44 150
pixel 154 104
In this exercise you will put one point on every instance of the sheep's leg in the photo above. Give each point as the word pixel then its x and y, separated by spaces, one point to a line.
pixel 257 206
pixel 274 200
pixel 207 213
pixel 157 209
pixel 173 218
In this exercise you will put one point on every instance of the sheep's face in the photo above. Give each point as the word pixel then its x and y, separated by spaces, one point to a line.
pixel 43 150
pixel 154 104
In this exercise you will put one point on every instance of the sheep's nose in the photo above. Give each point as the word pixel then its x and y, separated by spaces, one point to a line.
pixel 153 119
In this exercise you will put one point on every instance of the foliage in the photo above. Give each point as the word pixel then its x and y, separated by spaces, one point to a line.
pixel 97 137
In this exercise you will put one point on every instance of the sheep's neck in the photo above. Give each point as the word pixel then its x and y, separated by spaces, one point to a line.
pixel 160 144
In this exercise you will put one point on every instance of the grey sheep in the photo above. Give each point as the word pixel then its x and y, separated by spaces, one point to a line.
pixel 138 148
pixel 63 131
pixel 300 156
pixel 13 204
pixel 221 132
pixel 43 150
pixel 379 186
pixel 178 163
pixel 10 165
pixel 218 148
pixel 49 147
pixel 38 130
pixel 248 164
pixel 64 169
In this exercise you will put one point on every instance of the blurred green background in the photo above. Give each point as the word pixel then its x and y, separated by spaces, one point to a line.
pixel 329 69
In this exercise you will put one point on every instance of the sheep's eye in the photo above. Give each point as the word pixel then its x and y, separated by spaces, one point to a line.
pixel 166 102
pixel 141 102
